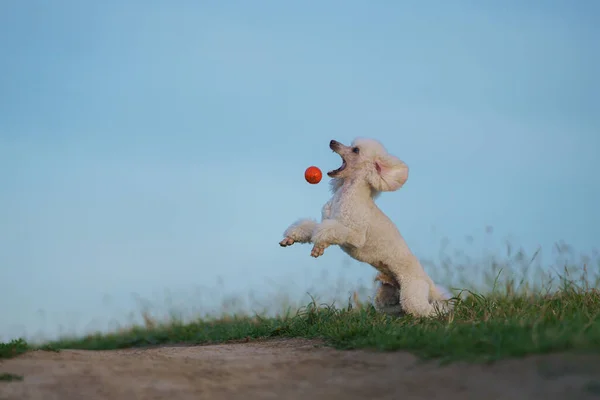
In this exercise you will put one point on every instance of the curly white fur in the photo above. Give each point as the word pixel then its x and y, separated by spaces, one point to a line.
pixel 352 220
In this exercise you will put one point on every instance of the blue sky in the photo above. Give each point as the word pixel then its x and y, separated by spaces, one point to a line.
pixel 155 145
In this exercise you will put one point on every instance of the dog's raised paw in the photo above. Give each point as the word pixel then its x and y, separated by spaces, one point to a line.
pixel 286 242
pixel 317 250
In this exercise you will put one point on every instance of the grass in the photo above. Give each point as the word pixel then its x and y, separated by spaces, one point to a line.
pixel 482 328
pixel 511 320
pixel 10 377
pixel 13 348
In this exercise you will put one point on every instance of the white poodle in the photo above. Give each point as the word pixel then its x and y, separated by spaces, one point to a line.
pixel 352 220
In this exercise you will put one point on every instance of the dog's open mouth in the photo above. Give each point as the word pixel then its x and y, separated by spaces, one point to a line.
pixel 337 171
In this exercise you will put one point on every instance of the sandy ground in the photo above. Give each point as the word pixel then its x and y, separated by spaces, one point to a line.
pixel 289 369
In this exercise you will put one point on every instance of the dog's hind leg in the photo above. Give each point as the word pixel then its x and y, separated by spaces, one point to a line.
pixel 414 298
pixel 299 232
pixel 387 300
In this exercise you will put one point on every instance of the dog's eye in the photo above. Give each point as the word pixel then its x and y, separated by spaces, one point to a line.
pixel 356 150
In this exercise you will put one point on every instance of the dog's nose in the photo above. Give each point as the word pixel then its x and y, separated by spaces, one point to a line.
pixel 333 143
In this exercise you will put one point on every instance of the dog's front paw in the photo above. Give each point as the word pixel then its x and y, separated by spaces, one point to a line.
pixel 318 250
pixel 287 241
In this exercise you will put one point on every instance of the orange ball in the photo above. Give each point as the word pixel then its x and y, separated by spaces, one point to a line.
pixel 313 175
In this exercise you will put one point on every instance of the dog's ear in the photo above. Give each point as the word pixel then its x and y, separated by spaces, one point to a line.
pixel 390 173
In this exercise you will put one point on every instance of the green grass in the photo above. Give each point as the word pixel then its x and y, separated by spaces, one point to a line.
pixel 13 348
pixel 482 328
pixel 523 313
pixel 10 377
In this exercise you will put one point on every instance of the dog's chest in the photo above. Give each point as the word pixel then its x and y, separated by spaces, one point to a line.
pixel 367 255
pixel 342 206
pixel 354 252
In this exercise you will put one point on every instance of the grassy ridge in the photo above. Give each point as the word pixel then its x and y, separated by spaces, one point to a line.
pixel 528 310
pixel 481 328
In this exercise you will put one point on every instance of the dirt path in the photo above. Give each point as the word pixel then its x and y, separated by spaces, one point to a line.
pixel 289 369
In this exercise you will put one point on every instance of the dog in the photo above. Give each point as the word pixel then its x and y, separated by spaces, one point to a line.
pixel 352 221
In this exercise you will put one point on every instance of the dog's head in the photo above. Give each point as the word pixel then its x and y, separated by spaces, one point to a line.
pixel 367 159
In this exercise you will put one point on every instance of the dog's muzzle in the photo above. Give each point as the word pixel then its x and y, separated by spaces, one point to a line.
pixel 335 145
